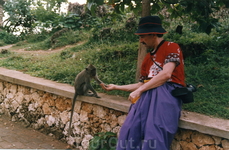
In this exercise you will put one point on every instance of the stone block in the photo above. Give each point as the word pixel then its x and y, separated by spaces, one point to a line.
pixel 188 146
pixel 225 144
pixel 200 139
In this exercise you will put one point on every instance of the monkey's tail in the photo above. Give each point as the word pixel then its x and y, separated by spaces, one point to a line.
pixel 72 110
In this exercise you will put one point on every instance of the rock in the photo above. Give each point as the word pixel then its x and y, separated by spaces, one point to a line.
pixel 99 111
pixel 77 129
pixel 211 147
pixel 35 96
pixel 46 109
pixel 50 120
pixel 188 146
pixel 219 148
pixel 217 140
pixel 85 141
pixel 24 90
pixel 15 105
pixel 63 105
pixel 64 117
pixel 75 117
pixel 9 95
pixel 225 144
pixel 48 98
pixel 13 89
pixel 19 97
pixel 87 107
pixel 184 135
pixel 116 129
pixel 83 116
pixel 70 140
pixel 27 98
pixel 1 86
pixel 175 145
pixel 121 119
pixel 200 139
pixel 31 107
pixel 107 127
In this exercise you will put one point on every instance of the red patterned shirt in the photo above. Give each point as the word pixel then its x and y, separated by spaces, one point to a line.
pixel 153 63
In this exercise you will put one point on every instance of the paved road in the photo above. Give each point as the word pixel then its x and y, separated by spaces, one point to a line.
pixel 13 135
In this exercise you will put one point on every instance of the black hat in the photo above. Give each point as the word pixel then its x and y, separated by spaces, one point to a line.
pixel 150 25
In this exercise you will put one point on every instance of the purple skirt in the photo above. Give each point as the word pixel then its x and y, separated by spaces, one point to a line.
pixel 152 121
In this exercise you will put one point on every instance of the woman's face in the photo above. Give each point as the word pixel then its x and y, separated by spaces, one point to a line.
pixel 149 40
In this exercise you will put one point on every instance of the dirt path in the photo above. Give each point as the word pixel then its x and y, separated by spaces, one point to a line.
pixel 6 47
pixel 40 52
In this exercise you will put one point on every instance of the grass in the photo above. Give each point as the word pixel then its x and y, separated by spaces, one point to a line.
pixel 206 63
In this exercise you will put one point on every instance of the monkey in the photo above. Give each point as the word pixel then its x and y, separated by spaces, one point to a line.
pixel 82 86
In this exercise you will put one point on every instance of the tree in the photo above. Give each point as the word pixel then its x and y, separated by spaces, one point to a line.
pixel 24 13
pixel 1 11
pixel 142 49
pixel 19 14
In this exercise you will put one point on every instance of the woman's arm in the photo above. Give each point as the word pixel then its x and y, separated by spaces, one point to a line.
pixel 128 88
pixel 156 81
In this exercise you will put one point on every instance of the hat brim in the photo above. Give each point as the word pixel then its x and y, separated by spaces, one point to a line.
pixel 143 31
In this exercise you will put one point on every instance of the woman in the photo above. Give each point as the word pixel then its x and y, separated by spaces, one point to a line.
pixel 154 114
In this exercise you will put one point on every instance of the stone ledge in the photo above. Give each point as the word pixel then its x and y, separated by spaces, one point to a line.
pixel 189 120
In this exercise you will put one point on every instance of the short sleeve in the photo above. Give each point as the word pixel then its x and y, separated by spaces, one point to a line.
pixel 173 53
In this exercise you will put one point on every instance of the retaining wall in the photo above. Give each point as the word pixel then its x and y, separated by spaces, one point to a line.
pixel 45 106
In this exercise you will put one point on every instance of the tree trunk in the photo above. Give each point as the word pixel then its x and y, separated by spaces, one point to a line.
pixel 1 12
pixel 142 50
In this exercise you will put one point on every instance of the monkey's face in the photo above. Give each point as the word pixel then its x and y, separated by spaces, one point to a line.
pixel 93 72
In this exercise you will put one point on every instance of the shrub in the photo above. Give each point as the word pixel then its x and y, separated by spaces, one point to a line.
pixel 103 141
pixel 8 38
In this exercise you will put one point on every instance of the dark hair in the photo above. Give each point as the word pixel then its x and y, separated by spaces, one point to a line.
pixel 159 35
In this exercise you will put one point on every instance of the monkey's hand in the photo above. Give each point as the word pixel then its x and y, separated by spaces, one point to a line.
pixel 103 86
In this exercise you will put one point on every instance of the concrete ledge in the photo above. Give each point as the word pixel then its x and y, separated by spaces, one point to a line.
pixel 205 124
pixel 65 90
pixel 189 120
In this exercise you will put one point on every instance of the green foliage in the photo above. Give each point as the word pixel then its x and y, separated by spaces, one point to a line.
pixel 72 21
pixel 53 5
pixel 26 15
pixel 39 37
pixel 8 38
pixel 193 44
pixel 111 35
pixel 42 45
pixel 103 141
pixel 19 15
pixel 42 41
pixel 67 38
pixel 198 11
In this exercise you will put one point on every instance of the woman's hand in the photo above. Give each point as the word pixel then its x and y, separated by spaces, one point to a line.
pixel 134 96
pixel 108 87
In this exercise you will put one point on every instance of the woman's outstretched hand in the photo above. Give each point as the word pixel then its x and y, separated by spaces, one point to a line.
pixel 108 87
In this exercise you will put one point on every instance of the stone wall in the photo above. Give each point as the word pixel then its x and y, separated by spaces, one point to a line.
pixel 193 140
pixel 49 113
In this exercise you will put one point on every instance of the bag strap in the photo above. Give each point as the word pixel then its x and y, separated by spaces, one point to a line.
pixel 152 53
pixel 159 45
pixel 156 63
